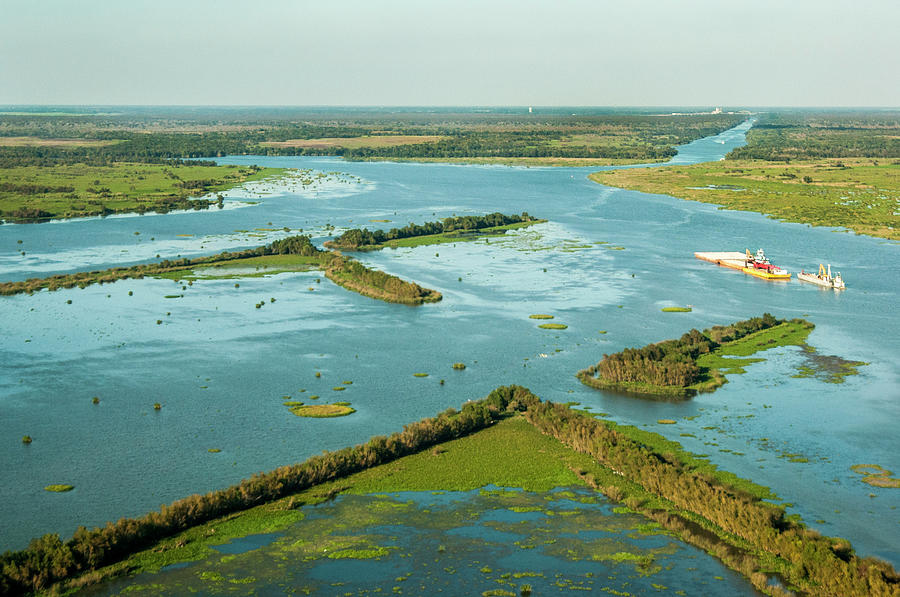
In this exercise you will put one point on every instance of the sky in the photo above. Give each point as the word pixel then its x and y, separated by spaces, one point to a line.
pixel 451 53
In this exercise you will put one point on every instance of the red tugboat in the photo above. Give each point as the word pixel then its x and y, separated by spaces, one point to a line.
pixel 758 265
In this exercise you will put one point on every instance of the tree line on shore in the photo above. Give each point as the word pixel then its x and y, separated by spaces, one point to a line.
pixel 747 533
pixel 48 559
pixel 813 563
pixel 362 238
pixel 343 270
pixel 671 362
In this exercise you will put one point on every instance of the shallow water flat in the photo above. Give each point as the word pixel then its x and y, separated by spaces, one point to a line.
pixel 220 368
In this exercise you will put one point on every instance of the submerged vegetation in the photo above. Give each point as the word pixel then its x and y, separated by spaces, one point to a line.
pixel 720 513
pixel 452 229
pixel 681 368
pixel 289 254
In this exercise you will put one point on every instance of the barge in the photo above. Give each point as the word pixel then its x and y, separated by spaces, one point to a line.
pixel 755 265
pixel 823 278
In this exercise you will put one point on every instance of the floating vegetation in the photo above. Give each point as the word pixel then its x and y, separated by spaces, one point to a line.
pixel 602 332
pixel 459 366
pixel 318 374
pixel 677 309
pixel 173 296
pixel 292 403
pixel 339 388
pixel 876 476
pixel 420 375
pixel 666 421
pixel 95 400
pixel 347 383
pixel 59 488
pixel 26 439
pixel 553 326
pixel 214 450
pixel 826 368
pixel 157 406
pixel 540 316
pixel 322 411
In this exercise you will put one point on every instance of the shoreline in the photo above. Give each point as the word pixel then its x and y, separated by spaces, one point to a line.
pixel 725 515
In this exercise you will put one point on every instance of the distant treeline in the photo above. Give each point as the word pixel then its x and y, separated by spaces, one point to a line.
pixel 637 136
pixel 671 363
pixel 783 137
pixel 361 238
pixel 707 510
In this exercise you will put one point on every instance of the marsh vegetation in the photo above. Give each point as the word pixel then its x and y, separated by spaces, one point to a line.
pixel 727 516
pixel 681 368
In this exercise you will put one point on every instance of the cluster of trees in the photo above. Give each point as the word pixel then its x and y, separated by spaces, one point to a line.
pixel 357 238
pixel 816 564
pixel 671 362
pixel 48 559
pixel 353 275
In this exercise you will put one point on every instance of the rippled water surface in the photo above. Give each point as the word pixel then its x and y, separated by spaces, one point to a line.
pixel 220 367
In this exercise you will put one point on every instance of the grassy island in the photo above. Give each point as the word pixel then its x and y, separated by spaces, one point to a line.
pixel 448 230
pixel 59 488
pixel 41 193
pixel 323 411
pixel 295 253
pixel 510 438
pixel 694 363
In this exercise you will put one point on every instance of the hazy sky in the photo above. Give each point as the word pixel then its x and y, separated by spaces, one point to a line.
pixel 460 52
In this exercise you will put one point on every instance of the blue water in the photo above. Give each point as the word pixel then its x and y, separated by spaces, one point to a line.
pixel 220 367
pixel 592 549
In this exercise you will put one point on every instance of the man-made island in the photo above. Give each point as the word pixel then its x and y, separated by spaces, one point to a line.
pixel 289 254
pixel 510 438
pixel 693 363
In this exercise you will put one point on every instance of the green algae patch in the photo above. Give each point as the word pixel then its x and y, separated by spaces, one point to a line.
pixel 59 488
pixel 826 368
pixel 459 366
pixel 323 411
pixel 367 553
pixel 676 309
pixel 529 460
pixel 540 316
pixel 876 476
pixel 420 375
pixel 214 450
pixel 339 388
pixel 553 326
pixel 666 421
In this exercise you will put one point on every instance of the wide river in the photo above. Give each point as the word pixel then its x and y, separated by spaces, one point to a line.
pixel 220 367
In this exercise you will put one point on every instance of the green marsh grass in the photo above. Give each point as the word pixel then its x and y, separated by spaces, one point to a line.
pixel 59 488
